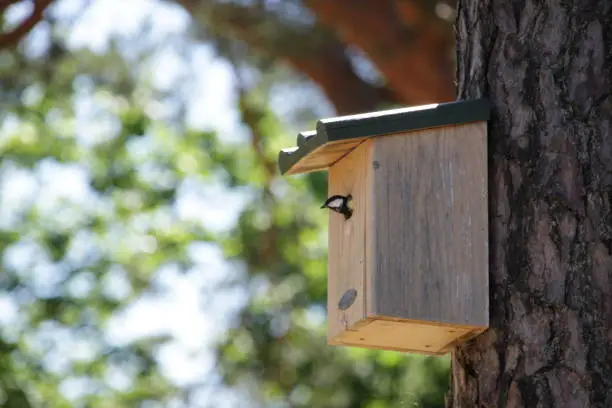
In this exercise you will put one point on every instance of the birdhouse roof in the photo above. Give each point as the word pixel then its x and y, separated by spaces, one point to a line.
pixel 336 137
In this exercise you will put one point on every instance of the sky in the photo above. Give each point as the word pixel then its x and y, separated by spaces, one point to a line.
pixel 178 310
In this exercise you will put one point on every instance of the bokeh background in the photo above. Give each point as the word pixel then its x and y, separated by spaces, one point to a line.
pixel 151 254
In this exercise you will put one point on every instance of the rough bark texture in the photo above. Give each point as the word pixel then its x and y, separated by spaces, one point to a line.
pixel 547 67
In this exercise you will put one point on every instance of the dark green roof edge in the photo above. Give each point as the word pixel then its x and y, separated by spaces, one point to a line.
pixel 405 119
pixel 306 143
pixel 384 122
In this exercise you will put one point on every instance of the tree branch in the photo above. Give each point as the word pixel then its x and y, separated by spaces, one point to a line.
pixel 313 51
pixel 13 37
pixel 411 47
pixel 253 116
pixel 6 3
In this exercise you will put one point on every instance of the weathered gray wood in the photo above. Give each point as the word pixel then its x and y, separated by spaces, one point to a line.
pixel 430 252
pixel 415 250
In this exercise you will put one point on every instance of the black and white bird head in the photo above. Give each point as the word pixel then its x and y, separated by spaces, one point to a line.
pixel 339 204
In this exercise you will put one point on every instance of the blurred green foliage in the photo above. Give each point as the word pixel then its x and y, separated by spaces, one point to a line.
pixel 71 260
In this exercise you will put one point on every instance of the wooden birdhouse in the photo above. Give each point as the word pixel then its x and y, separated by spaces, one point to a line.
pixel 408 224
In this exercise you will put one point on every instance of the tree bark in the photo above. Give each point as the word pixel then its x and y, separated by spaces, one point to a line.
pixel 13 37
pixel 547 68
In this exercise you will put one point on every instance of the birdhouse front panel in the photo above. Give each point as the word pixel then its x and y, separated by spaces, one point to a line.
pixel 347 257
pixel 408 233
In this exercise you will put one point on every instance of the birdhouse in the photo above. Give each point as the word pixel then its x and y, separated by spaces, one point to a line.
pixel 408 224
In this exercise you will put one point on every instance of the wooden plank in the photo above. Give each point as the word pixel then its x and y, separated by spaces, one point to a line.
pixel 324 157
pixel 429 243
pixel 406 335
pixel 346 259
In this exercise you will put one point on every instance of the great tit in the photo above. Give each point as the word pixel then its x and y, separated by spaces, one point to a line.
pixel 339 204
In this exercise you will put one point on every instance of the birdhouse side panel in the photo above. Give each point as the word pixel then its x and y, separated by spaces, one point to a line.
pixel 429 251
pixel 347 252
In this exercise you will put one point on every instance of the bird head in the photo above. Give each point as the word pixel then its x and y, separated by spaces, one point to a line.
pixel 339 204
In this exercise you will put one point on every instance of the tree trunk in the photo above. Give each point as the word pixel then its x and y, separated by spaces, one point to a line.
pixel 547 68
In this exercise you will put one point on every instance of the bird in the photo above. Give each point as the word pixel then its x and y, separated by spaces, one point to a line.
pixel 339 204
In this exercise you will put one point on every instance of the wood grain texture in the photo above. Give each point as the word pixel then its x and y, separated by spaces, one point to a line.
pixel 324 156
pixel 416 247
pixel 405 335
pixel 430 234
pixel 347 252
